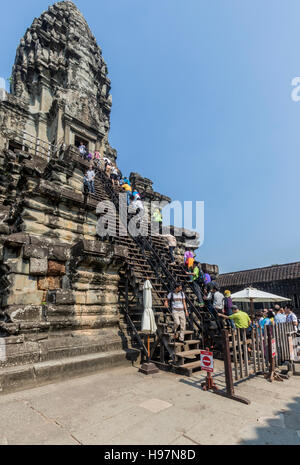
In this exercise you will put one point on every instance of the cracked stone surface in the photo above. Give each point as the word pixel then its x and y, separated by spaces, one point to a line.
pixel 105 408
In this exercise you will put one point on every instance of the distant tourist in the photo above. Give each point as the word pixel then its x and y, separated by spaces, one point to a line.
pixel 228 305
pixel 218 299
pixel 107 163
pixel 271 316
pixel 157 221
pixel 207 296
pixel 97 160
pixel 179 310
pixel 127 188
pixel 189 259
pixel 264 320
pixel 136 206
pixel 91 180
pixel 86 186
pixel 82 150
pixel 136 195
pixel 114 176
pixel 196 278
pixel 108 170
pixel 290 316
pixel 172 243
pixel 280 316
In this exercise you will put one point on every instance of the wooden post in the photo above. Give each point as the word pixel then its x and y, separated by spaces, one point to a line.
pixel 254 349
pixel 252 313
pixel 228 372
pixel 246 365
pixel 238 333
pixel 259 366
pixel 233 330
pixel 272 375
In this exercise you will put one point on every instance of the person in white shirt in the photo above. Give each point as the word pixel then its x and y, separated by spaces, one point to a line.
pixel 114 176
pixel 290 316
pixel 172 243
pixel 179 310
pixel 82 150
pixel 91 180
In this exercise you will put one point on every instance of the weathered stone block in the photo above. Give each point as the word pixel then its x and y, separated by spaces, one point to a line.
pixel 38 266
pixel 17 240
pixel 101 298
pixel 80 297
pixel 49 283
pixel 60 310
pixel 23 313
pixel 34 215
pixel 17 265
pixel 10 253
pixel 59 253
pixel 33 227
pixel 4 228
pixel 61 297
pixel 21 282
pixel 32 251
pixel 24 298
pixel 56 268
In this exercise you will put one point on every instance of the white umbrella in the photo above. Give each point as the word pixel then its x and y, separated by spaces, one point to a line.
pixel 251 294
pixel 148 320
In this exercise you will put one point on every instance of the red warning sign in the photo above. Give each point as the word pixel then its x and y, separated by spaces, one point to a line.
pixel 206 360
pixel 273 348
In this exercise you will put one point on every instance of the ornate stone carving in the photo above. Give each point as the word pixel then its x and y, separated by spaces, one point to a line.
pixel 60 49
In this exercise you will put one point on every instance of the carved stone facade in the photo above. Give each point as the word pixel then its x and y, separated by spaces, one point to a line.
pixel 58 282
pixel 60 80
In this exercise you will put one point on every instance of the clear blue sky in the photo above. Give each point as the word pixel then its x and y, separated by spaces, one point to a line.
pixel 202 106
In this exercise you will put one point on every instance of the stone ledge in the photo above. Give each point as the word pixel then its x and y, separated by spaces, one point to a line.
pixel 37 374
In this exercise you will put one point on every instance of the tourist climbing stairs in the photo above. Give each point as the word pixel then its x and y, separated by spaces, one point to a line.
pixel 148 259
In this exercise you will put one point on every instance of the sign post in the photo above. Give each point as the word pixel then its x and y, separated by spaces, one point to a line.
pixel 207 364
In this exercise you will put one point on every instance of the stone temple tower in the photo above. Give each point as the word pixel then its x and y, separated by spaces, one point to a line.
pixel 60 74
pixel 66 291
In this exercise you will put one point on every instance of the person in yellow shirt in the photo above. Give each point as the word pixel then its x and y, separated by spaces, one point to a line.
pixel 128 189
pixel 240 319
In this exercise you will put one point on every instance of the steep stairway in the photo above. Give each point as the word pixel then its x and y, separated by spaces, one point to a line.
pixel 148 258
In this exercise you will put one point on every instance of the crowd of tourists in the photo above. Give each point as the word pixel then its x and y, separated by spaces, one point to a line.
pixel 219 305
pixel 98 163
pixel 207 291
pixel 222 308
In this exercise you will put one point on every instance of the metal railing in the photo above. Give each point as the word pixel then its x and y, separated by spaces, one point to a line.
pixel 155 261
pixel 32 144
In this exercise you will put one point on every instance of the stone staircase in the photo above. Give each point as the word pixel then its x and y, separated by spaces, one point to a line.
pixel 140 266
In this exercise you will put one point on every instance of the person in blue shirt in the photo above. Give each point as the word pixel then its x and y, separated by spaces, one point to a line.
pixel 265 320
pixel 280 316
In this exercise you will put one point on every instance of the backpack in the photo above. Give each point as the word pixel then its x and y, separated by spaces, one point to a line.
pixel 201 279
pixel 207 278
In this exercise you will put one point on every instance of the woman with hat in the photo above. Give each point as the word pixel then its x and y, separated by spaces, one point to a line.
pixel 228 305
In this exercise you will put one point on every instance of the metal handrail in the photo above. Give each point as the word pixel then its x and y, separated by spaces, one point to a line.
pixel 143 243
pixel 34 144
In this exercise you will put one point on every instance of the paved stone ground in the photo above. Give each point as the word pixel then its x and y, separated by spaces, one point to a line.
pixel 122 406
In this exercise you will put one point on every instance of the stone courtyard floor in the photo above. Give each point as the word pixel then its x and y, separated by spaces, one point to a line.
pixel 122 406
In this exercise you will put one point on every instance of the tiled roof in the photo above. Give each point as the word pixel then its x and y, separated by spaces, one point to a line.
pixel 260 275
